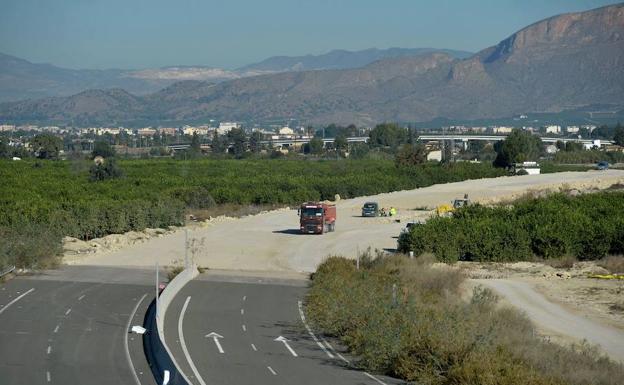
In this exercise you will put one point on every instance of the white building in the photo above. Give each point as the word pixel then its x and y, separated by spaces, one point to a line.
pixel 572 129
pixel 435 155
pixel 225 127
pixel 7 127
pixel 553 129
pixel 502 130
pixel 286 131
pixel 594 144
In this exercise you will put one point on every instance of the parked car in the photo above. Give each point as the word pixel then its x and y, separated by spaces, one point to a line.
pixel 602 165
pixel 370 209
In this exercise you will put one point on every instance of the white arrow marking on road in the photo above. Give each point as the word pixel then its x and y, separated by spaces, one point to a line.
pixel 215 337
pixel 285 341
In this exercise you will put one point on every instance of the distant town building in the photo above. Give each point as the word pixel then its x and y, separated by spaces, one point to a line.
pixel 286 131
pixel 553 129
pixel 551 149
pixel 435 155
pixel 7 127
pixel 501 130
pixel 147 131
pixel 572 129
pixel 225 127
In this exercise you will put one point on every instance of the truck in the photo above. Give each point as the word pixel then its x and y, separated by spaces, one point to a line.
pixel 317 217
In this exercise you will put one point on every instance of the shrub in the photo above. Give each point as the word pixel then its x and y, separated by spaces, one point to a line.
pixel 586 227
pixel 405 318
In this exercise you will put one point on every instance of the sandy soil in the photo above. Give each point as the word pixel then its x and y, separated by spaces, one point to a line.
pixel 271 241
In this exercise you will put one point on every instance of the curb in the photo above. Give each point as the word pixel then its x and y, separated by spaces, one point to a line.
pixel 156 350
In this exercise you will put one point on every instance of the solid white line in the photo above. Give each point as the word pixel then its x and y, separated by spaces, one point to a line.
pixel 81 297
pixel 271 370
pixel 48 377
pixel 244 328
pixel 254 347
pixel 56 329
pixel 375 378
pixel 342 358
pixel 15 300
pixel 334 350
pixel 128 357
pixel 312 334
pixel 49 349
pixel 183 342
pixel 68 311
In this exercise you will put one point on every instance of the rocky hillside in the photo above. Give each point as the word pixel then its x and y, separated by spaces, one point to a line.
pixel 563 62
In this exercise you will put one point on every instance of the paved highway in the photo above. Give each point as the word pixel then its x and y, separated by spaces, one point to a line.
pixel 69 327
pixel 251 331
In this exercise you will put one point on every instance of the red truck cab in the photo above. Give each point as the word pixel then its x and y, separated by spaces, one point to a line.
pixel 317 218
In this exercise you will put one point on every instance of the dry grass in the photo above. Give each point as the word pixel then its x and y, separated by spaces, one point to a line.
pixel 406 318
pixel 560 263
pixel 613 263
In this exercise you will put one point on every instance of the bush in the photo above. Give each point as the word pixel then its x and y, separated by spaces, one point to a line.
pixel 587 227
pixel 405 318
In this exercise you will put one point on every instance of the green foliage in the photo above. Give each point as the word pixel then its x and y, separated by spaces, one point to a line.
pixel 588 156
pixel 238 138
pixel 47 146
pixel 618 137
pixel 388 135
pixel 103 149
pixel 410 155
pixel 407 319
pixel 108 169
pixel 316 146
pixel 584 227
pixel 519 146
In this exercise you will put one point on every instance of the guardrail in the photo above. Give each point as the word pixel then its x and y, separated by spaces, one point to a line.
pixel 6 271
pixel 164 366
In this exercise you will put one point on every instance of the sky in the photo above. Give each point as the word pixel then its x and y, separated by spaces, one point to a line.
pixel 133 34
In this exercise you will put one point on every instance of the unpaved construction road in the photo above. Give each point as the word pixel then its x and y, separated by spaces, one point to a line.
pixel 271 241
pixel 555 320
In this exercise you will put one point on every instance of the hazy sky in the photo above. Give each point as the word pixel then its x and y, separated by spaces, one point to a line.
pixel 232 33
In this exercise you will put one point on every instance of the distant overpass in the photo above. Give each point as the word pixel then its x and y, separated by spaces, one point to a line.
pixel 284 142
pixel 494 138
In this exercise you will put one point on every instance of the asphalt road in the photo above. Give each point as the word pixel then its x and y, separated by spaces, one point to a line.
pixel 56 330
pixel 248 317
pixel 554 318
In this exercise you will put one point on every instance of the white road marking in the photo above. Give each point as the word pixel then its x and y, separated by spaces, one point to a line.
pixel 49 349
pixel 342 358
pixel 244 298
pixel 330 347
pixel 375 379
pixel 244 328
pixel 183 342
pixel 48 377
pixel 56 329
pixel 215 337
pixel 128 357
pixel 312 334
pixel 285 342
pixel 68 311
pixel 271 370
pixel 254 347
pixel 15 300
pixel 242 311
pixel 81 297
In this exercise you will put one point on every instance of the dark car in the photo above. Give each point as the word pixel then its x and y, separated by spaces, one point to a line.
pixel 370 209
pixel 602 165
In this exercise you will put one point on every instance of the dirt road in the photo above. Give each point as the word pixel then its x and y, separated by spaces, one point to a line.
pixel 271 241
pixel 553 319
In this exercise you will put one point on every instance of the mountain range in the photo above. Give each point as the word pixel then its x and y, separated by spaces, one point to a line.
pixel 21 79
pixel 564 62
